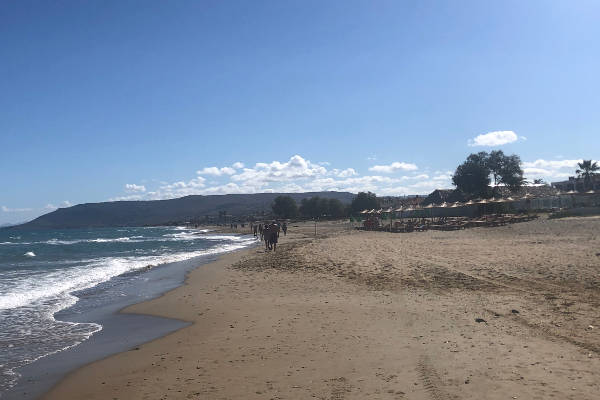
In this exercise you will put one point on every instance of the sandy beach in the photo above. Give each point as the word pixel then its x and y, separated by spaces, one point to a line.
pixel 509 312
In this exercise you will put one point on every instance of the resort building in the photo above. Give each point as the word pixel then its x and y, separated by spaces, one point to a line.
pixel 577 184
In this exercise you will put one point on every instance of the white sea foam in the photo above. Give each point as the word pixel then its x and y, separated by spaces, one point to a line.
pixel 29 254
pixel 20 291
pixel 98 240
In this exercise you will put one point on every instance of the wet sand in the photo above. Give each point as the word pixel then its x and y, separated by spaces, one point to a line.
pixel 356 315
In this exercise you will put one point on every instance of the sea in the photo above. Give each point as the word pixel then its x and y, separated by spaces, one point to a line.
pixel 45 272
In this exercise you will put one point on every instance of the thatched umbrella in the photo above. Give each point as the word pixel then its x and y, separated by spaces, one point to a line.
pixel 400 210
pixel 430 206
pixel 484 202
pixel 527 197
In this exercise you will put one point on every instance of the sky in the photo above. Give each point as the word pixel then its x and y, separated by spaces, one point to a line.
pixel 115 100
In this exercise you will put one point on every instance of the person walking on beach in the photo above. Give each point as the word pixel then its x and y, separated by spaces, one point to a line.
pixel 255 230
pixel 267 234
pixel 261 231
pixel 284 228
pixel 274 235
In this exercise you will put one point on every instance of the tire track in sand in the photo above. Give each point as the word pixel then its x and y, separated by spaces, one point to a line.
pixel 431 380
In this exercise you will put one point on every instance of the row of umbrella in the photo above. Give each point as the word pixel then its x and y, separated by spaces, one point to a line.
pixel 468 203
pixel 446 205
pixel 574 192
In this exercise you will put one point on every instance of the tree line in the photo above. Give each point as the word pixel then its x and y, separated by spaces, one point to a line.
pixel 317 207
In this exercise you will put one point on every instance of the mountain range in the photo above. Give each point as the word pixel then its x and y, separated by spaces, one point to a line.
pixel 163 212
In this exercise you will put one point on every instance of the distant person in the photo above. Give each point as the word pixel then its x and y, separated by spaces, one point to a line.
pixel 255 230
pixel 274 235
pixel 267 233
pixel 261 231
pixel 284 228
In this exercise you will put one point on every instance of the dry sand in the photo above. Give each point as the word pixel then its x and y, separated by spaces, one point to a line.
pixel 374 315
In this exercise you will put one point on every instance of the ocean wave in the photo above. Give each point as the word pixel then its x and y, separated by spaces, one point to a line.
pixel 22 292
pixel 97 240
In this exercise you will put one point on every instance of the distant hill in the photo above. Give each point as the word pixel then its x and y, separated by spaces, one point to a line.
pixel 159 212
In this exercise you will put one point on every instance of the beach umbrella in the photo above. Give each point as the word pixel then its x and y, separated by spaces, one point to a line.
pixel 484 202
pixel 430 206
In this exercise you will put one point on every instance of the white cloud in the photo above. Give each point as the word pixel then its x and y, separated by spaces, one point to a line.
pixel 52 207
pixel 263 173
pixel 550 169
pixel 344 173
pixel 238 165
pixel 216 171
pixel 393 167
pixel 496 138
pixel 15 210
pixel 132 187
pixel 297 174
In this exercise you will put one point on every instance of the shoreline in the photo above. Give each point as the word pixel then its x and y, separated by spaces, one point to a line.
pixel 121 331
pixel 374 315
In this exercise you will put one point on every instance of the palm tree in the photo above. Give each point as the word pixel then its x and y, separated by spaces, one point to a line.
pixel 587 170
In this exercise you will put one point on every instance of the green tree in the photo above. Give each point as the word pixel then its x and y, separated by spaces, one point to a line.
pixel 336 208
pixel 495 162
pixel 587 170
pixel 539 181
pixel 310 208
pixel 510 172
pixel 284 207
pixel 322 207
pixel 364 201
pixel 472 177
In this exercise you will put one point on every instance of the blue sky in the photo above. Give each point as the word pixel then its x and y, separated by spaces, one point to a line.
pixel 151 99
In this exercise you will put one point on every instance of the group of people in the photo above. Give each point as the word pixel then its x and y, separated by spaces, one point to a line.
pixel 269 233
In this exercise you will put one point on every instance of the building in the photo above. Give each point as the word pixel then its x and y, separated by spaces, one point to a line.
pixel 397 201
pixel 577 184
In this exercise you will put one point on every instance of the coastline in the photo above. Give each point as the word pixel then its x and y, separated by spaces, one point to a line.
pixel 121 331
pixel 374 315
